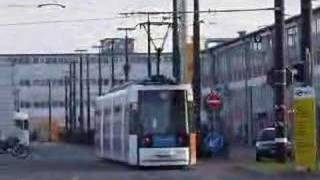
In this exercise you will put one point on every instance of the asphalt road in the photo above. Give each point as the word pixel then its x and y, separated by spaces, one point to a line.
pixel 70 162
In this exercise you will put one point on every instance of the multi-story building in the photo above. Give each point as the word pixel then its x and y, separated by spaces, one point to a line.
pixel 6 103
pixel 116 45
pixel 32 73
pixel 238 70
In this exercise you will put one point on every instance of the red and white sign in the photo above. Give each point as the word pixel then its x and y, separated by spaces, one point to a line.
pixel 214 101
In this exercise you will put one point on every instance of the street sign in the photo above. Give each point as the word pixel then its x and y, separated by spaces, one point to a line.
pixel 305 144
pixel 214 101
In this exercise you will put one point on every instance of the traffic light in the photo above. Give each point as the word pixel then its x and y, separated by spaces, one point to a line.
pixel 298 72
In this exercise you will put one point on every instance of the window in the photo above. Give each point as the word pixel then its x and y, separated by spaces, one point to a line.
pixel 106 112
pixel 35 60
pixel 105 81
pixel 94 81
pixel 117 109
pixel 162 112
pixel 61 104
pixel 314 26
pixel 36 105
pixel 256 45
pixel 55 104
pixel 25 104
pixel 292 36
pixel 24 83
pixel 318 25
pixel 267 135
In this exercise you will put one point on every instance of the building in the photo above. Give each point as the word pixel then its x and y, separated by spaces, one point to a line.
pixel 238 70
pixel 32 73
pixel 116 45
pixel 6 104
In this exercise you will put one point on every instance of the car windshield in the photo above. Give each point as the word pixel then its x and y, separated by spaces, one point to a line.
pixel 267 135
pixel 163 112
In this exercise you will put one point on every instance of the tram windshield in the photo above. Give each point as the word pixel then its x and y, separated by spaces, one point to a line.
pixel 163 112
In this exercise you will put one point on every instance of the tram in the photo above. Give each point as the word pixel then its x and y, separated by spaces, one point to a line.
pixel 146 123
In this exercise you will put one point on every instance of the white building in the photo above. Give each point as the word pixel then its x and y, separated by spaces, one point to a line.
pixel 32 72
pixel 6 99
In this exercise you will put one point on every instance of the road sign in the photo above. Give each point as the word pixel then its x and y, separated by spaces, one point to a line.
pixel 305 128
pixel 214 101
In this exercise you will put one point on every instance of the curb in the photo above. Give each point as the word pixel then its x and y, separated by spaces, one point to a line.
pixel 280 173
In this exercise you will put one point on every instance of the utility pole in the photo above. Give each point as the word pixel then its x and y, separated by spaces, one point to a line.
pixel 81 94
pixel 50 113
pixel 74 95
pixel 306 41
pixel 176 61
pixel 279 73
pixel 71 96
pixel 126 67
pixel 81 117
pixel 17 99
pixel 66 102
pixel 112 63
pixel 99 69
pixel 111 41
pixel 149 46
pixel 88 96
pixel 159 51
pixel 196 65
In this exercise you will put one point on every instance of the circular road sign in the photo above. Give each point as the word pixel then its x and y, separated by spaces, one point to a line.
pixel 214 101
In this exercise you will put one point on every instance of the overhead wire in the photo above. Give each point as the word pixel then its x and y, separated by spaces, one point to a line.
pixel 62 21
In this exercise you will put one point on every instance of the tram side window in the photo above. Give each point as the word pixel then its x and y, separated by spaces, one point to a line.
pixel 133 119
pixel 97 118
pixel 117 109
pixel 107 112
pixel 22 124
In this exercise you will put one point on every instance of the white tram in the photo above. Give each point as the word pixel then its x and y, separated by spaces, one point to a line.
pixel 146 124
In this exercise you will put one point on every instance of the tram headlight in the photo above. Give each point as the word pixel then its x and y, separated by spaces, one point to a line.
pixel 183 140
pixel 134 106
pixel 147 141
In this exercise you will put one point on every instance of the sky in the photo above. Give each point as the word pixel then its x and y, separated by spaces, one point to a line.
pixel 66 37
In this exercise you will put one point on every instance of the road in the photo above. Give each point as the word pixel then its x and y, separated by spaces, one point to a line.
pixel 71 162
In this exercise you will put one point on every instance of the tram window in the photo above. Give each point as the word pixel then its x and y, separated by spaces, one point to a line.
pixel 25 124
pixel 22 124
pixel 107 111
pixel 98 113
pixel 162 112
pixel 117 109
pixel 18 124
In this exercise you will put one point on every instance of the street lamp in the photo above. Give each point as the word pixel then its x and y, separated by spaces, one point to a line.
pixel 51 4
pixel 126 67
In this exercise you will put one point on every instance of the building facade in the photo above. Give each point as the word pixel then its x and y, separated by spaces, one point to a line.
pixel 238 70
pixel 6 103
pixel 33 72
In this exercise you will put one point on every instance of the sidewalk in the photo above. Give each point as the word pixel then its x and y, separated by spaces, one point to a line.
pixel 243 157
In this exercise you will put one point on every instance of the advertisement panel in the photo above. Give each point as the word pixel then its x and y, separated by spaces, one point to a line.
pixel 305 143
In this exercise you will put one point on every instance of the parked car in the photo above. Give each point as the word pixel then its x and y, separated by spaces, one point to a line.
pixel 266 145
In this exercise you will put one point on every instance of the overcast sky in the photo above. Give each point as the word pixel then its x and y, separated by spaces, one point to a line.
pixel 65 37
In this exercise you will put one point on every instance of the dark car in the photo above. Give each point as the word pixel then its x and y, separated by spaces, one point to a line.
pixel 266 145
